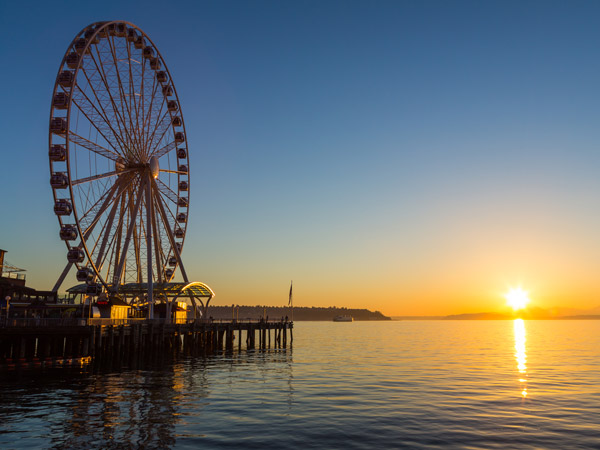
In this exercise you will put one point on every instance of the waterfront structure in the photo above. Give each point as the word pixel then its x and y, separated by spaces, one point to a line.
pixel 130 342
pixel 13 291
pixel 119 173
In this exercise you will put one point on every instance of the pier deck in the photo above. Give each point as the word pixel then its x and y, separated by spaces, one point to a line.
pixel 71 341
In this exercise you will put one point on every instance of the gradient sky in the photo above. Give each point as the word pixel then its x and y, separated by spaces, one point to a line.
pixel 414 157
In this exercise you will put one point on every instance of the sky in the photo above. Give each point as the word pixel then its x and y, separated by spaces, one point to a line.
pixel 411 157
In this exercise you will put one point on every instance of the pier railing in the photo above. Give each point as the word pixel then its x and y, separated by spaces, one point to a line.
pixel 29 323
pixel 77 322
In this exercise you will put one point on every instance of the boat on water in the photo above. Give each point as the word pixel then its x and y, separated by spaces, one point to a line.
pixel 343 319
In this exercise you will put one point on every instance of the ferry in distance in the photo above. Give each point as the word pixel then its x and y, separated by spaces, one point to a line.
pixel 343 319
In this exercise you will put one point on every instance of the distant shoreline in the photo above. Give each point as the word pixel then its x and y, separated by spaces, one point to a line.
pixel 297 313
pixel 497 317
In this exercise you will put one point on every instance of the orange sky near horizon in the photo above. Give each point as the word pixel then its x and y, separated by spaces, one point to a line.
pixel 416 158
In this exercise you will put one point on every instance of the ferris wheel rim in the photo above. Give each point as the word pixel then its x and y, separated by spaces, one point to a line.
pixel 97 28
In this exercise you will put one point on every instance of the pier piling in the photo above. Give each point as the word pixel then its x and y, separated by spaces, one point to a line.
pixel 27 342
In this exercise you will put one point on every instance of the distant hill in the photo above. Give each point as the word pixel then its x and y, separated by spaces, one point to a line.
pixel 418 317
pixel 532 312
pixel 478 316
pixel 300 313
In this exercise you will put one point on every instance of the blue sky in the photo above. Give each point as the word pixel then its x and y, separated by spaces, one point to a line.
pixel 405 156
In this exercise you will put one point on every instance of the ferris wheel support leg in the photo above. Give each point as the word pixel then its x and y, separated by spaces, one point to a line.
pixel 149 247
pixel 62 277
pixel 110 220
pixel 136 208
pixel 205 306
pixel 163 214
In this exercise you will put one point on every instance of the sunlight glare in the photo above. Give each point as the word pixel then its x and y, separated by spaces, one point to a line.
pixel 521 353
pixel 520 340
pixel 517 298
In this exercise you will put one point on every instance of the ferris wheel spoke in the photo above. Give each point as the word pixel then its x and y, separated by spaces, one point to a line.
pixel 83 142
pixel 119 120
pixel 130 229
pixel 119 112
pixel 97 209
pixel 159 255
pixel 148 117
pixel 106 236
pixel 164 150
pixel 129 100
pixel 92 113
pixel 90 199
pixel 166 191
pixel 137 236
pixel 119 186
pixel 140 108
pixel 132 103
pixel 101 176
pixel 168 228
pixel 168 222
pixel 176 172
pixel 107 227
pixel 100 89
pixel 162 126
pixel 149 237
pixel 124 105
pixel 115 254
pixel 161 240
pixel 139 239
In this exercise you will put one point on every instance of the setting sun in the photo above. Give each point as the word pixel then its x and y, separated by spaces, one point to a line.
pixel 517 298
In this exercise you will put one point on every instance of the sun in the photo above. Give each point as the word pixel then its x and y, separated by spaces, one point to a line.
pixel 517 298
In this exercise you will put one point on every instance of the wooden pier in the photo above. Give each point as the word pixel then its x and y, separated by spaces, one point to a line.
pixel 32 342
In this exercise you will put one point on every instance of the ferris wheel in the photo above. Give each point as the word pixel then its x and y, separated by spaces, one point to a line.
pixel 118 160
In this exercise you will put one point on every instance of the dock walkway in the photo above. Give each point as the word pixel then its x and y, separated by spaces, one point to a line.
pixel 72 341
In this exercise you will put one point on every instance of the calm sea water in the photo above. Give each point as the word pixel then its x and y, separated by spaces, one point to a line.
pixel 462 384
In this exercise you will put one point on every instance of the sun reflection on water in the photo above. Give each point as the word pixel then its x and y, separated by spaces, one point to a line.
pixel 520 353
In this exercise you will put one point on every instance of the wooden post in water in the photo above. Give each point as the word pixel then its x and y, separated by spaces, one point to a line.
pixel 121 343
pixel 85 348
pixel 92 341
pixel 68 347
pixel 251 330
pixel 99 343
pixel 48 348
pixel 285 335
pixel 260 335
pixel 111 341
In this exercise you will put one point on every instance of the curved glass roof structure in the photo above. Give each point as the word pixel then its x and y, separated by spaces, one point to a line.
pixel 193 289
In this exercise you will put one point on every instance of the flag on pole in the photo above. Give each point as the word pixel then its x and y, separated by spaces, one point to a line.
pixel 290 300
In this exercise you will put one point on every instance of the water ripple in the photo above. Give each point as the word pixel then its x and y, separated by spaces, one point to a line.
pixel 416 385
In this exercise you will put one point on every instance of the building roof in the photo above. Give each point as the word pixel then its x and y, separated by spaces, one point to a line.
pixel 193 289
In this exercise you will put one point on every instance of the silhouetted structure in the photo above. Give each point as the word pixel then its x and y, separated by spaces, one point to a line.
pixel 67 341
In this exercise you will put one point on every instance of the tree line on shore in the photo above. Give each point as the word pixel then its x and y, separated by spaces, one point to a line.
pixel 241 312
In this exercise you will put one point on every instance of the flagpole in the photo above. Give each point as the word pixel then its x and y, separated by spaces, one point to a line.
pixel 291 300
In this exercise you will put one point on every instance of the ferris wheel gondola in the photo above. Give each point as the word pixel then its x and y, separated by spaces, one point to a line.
pixel 119 168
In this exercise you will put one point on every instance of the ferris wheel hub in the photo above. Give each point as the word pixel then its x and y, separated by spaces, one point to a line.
pixel 154 167
pixel 120 164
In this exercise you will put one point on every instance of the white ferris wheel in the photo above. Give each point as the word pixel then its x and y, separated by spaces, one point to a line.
pixel 118 161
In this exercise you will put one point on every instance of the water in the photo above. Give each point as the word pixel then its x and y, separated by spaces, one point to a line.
pixel 426 384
